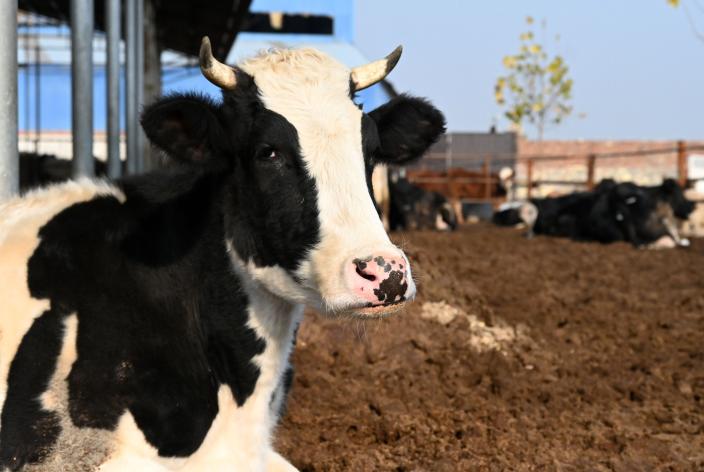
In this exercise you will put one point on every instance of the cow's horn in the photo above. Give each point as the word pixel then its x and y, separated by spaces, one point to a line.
pixel 369 74
pixel 215 71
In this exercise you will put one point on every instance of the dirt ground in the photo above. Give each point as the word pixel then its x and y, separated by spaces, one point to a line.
pixel 522 355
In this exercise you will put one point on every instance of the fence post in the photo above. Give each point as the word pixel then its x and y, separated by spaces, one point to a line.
pixel 591 164
pixel 682 170
pixel 529 163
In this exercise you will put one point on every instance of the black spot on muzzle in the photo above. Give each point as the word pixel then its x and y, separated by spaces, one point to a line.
pixel 393 288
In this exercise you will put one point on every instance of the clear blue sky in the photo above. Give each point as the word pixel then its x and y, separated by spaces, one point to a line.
pixel 638 68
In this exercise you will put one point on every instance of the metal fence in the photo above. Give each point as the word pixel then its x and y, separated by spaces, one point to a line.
pixel 473 178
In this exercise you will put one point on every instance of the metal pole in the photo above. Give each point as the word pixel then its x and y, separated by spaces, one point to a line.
pixel 82 87
pixel 132 124
pixel 9 157
pixel 139 86
pixel 112 8
pixel 38 96
pixel 27 90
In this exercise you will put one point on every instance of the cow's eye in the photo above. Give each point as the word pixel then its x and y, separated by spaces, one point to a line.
pixel 268 153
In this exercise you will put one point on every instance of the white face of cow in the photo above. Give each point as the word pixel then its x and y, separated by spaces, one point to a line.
pixel 354 266
pixel 301 219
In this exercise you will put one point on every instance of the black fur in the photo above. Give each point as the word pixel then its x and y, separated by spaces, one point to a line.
pixel 507 217
pixel 187 128
pixel 28 431
pixel 408 126
pixel 671 193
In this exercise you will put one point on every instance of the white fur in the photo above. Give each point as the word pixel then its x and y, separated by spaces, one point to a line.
pixel 380 184
pixel 529 214
pixel 311 90
pixel 440 224
pixel 20 221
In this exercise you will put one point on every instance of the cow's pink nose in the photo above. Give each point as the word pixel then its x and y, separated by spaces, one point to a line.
pixel 379 279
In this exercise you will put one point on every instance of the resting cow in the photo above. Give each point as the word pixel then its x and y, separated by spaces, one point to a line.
pixel 37 170
pixel 412 208
pixel 147 323
pixel 643 216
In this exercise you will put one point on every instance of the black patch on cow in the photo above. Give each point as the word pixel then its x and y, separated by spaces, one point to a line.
pixel 27 430
pixel 507 217
pixel 271 206
pixel 380 261
pixel 362 263
pixel 162 316
pixel 391 288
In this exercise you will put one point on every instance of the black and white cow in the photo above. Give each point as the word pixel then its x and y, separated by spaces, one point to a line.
pixel 643 216
pixel 146 324
pixel 413 208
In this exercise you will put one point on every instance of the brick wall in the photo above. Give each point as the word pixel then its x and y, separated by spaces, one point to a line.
pixel 646 169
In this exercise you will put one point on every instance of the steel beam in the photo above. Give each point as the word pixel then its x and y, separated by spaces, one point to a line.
pixel 135 79
pixel 82 87
pixel 9 156
pixel 112 9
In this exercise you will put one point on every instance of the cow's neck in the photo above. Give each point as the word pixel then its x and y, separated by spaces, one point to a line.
pixel 228 296
pixel 274 318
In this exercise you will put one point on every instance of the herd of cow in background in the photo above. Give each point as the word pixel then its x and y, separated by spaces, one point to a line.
pixel 645 216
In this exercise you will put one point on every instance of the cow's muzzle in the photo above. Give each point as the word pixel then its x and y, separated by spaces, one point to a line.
pixel 381 282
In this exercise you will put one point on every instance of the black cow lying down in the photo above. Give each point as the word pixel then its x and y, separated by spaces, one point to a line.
pixel 643 216
pixel 37 170
pixel 413 208
pixel 146 324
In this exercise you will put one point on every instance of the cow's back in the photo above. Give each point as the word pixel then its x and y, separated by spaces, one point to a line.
pixel 21 219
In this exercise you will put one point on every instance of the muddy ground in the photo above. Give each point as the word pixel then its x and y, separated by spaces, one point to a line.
pixel 540 354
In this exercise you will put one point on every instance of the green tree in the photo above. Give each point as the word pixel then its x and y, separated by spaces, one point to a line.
pixel 536 88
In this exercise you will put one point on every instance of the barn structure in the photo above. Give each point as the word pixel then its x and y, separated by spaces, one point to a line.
pixel 77 72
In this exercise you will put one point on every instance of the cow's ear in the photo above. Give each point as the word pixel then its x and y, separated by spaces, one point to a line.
pixel 407 126
pixel 186 127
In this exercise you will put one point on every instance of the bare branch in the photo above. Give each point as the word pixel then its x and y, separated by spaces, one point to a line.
pixel 692 24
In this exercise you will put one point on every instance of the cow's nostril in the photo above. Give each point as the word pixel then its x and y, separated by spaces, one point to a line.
pixel 364 275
